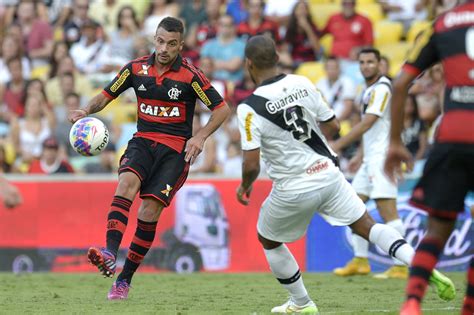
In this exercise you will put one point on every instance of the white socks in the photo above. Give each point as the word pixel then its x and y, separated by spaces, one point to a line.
pixel 286 270
pixel 397 225
pixel 360 245
pixel 391 242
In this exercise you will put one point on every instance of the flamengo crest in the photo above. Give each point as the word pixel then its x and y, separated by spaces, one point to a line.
pixel 174 93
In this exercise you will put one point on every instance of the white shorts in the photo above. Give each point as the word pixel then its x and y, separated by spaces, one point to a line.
pixel 285 216
pixel 371 181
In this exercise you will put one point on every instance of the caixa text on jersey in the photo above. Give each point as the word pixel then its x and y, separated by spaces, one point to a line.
pixel 160 111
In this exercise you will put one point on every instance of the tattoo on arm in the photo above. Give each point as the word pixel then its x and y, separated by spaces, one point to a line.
pixel 97 104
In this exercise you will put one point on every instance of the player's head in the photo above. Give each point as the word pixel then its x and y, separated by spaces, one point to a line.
pixel 168 40
pixel 260 55
pixel 332 67
pixel 369 63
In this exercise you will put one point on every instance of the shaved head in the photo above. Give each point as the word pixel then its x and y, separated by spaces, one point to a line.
pixel 261 51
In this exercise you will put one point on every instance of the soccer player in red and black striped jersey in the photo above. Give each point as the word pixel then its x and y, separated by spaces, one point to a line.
pixel 449 171
pixel 157 159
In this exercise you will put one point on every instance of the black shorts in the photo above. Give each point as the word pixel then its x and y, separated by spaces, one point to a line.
pixel 447 177
pixel 161 169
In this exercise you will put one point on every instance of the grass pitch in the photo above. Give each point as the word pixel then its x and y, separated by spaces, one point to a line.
pixel 210 293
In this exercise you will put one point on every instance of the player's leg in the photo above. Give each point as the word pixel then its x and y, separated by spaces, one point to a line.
pixel 359 265
pixel 285 268
pixel 468 306
pixel 117 220
pixel 148 215
pixel 284 217
pixel 424 261
pixel 387 208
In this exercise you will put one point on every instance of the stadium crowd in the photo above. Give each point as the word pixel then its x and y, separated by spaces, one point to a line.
pixel 56 54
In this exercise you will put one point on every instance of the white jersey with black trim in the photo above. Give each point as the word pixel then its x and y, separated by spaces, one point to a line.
pixel 281 119
pixel 376 100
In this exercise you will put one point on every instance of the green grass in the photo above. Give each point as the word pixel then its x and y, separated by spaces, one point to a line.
pixel 167 293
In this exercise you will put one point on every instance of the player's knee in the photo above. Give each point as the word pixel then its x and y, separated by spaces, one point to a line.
pixel 128 185
pixel 266 243
pixel 150 210
pixel 363 225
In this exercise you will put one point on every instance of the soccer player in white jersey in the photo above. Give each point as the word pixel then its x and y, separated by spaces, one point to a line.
pixel 370 181
pixel 284 121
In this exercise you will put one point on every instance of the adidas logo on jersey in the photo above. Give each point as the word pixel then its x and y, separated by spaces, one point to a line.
pixel 141 88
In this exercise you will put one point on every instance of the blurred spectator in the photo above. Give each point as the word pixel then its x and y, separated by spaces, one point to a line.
pixel 29 132
pixel 243 89
pixel 405 11
pixel 338 90
pixel 122 40
pixel 193 13
pixel 106 12
pixel 60 51
pixel 385 67
pixel 280 11
pixel 414 133
pixel 91 53
pixel 72 27
pixel 36 88
pixel 226 50
pixel 53 86
pixel 12 47
pixel 302 35
pixel 107 162
pixel 238 10
pixel 207 29
pixel 58 11
pixel 12 93
pixel 157 10
pixel 37 34
pixel 12 10
pixel 63 126
pixel 206 65
pixel 257 24
pixel 431 84
pixel 206 162
pixel 232 166
pixel 5 166
pixel 50 162
pixel 349 29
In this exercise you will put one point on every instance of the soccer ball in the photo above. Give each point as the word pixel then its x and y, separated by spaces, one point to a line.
pixel 88 136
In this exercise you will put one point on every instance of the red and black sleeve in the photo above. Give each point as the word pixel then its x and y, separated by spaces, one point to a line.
pixel 205 91
pixel 423 54
pixel 121 82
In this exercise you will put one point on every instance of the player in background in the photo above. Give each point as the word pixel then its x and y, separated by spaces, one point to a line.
pixel 370 181
pixel 284 121
pixel 157 159
pixel 449 171
pixel 10 194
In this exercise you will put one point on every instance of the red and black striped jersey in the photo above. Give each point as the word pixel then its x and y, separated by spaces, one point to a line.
pixel 165 103
pixel 450 40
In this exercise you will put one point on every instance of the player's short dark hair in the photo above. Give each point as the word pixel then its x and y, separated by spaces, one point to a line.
pixel 261 51
pixel 171 24
pixel 370 50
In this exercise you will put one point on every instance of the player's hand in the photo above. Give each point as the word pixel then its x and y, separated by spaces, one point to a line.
pixel 11 196
pixel 76 114
pixel 193 148
pixel 397 155
pixel 243 195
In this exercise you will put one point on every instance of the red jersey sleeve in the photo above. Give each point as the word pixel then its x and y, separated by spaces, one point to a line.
pixel 121 82
pixel 205 91
pixel 423 54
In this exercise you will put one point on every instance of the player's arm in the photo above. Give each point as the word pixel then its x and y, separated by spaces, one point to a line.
pixel 119 84
pixel 330 127
pixel 220 111
pixel 250 140
pixel 422 56
pixel 356 132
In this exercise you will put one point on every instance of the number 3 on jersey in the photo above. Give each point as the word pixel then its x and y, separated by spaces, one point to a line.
pixel 296 124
